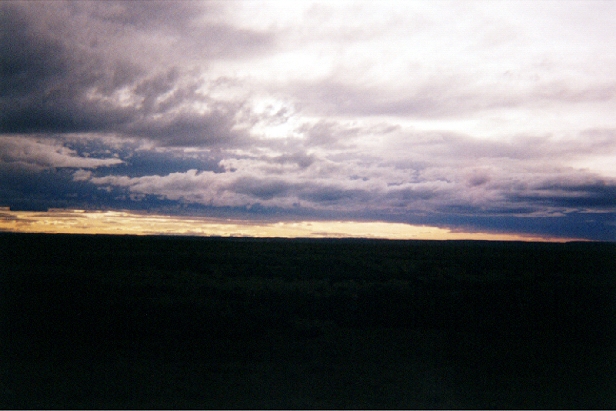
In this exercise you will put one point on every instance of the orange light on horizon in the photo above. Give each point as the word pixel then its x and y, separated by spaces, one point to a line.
pixel 59 221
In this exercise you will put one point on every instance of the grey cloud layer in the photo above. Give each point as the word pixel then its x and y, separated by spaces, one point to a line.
pixel 495 180
pixel 58 75
pixel 442 97
pixel 168 105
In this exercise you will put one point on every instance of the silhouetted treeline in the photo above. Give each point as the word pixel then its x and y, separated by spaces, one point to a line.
pixel 61 293
pixel 191 285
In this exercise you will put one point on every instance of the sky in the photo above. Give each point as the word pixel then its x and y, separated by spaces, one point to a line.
pixel 410 119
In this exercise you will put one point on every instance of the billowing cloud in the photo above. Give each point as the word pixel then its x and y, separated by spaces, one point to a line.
pixel 467 116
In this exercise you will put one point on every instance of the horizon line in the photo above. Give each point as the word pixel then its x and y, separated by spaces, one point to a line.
pixel 128 222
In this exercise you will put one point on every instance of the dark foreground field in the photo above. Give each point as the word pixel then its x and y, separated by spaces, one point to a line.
pixel 160 322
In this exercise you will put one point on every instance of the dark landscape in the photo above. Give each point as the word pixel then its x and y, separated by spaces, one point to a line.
pixel 185 322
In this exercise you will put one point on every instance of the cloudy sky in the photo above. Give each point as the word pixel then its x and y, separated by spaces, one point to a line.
pixel 464 117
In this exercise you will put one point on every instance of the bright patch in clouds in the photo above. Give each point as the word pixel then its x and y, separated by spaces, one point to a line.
pixel 464 117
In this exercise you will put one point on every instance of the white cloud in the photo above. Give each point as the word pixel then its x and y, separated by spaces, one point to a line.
pixel 41 154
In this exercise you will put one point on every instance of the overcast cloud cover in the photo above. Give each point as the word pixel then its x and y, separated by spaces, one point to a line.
pixel 474 116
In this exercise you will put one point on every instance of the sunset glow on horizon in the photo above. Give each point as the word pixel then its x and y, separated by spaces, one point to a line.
pixel 58 221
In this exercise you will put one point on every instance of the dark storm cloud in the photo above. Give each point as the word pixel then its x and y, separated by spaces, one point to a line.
pixel 405 196
pixel 57 77
pixel 331 194
pixel 29 59
pixel 594 195
pixel 260 188
pixel 46 75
